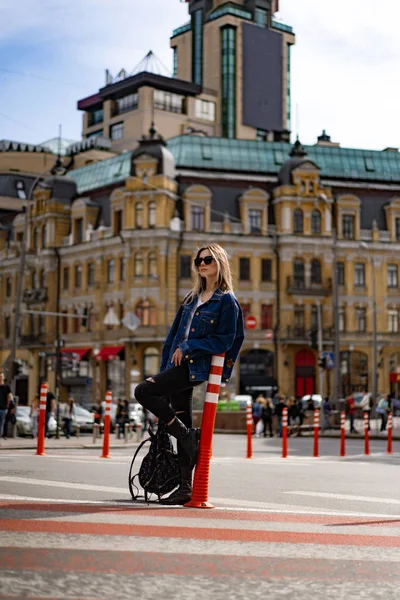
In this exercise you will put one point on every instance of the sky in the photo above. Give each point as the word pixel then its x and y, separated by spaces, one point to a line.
pixel 345 65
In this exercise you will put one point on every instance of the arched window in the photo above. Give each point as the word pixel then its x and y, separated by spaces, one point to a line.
pixel 78 276
pixel 152 214
pixel 43 240
pixel 146 312
pixel 138 265
pixel 151 362
pixel 139 215
pixel 152 264
pixel 298 273
pixel 298 221
pixel 315 221
pixel 315 271
pixel 110 271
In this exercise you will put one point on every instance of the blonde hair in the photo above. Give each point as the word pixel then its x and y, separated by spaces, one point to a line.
pixel 224 275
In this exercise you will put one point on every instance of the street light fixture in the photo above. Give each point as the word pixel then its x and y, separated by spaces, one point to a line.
pixel 365 246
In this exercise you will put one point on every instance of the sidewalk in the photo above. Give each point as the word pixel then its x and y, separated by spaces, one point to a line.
pixel 83 442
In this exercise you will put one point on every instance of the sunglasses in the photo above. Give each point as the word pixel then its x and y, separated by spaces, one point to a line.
pixel 207 260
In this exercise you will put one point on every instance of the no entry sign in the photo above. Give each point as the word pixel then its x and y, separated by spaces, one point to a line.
pixel 250 322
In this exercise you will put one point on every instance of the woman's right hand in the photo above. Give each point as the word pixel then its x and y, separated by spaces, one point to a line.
pixel 177 357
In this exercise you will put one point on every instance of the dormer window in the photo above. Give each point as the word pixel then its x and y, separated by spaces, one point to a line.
pixel 78 231
pixel 348 227
pixel 197 218
pixel 255 220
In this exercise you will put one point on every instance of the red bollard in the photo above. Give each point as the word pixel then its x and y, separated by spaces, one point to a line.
pixel 316 433
pixel 390 432
pixel 343 434
pixel 107 423
pixel 249 422
pixel 366 434
pixel 284 433
pixel 202 470
pixel 42 420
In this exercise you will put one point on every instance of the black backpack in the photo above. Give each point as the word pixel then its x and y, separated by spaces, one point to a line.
pixel 159 472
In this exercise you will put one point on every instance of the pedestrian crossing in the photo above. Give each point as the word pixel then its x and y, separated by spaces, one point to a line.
pixel 120 550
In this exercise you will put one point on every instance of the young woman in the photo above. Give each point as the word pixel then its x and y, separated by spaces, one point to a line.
pixel 209 321
pixel 68 415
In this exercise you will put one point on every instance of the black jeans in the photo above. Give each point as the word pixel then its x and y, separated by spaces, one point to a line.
pixel 170 394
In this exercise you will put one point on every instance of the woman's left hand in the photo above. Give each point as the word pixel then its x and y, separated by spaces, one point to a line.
pixel 177 357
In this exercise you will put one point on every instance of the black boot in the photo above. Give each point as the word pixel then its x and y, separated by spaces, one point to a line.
pixel 184 492
pixel 188 439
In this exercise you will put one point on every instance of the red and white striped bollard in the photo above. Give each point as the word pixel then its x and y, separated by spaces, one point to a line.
pixel 316 434
pixel 366 434
pixel 390 434
pixel 249 424
pixel 107 426
pixel 342 433
pixel 42 421
pixel 284 433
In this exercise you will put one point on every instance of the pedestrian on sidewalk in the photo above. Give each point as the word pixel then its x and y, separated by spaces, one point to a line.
pixel 50 408
pixel 69 414
pixel 6 398
pixel 267 415
pixel 279 412
pixel 351 410
pixel 383 410
pixel 366 406
pixel 257 412
pixel 294 411
pixel 209 321
pixel 35 415
pixel 327 412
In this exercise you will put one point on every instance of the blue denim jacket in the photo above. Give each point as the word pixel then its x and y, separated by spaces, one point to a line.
pixel 216 328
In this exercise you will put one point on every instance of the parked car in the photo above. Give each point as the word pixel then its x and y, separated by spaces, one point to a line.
pixel 24 428
pixel 84 418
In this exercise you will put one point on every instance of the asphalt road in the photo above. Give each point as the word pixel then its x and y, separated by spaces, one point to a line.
pixel 302 527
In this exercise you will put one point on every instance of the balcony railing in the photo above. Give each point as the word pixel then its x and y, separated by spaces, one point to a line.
pixel 295 333
pixel 298 286
pixel 31 339
pixel 34 296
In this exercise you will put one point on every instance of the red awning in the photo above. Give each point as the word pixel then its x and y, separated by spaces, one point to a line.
pixel 394 377
pixel 81 352
pixel 109 352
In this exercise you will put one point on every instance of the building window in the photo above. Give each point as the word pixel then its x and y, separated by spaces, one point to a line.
pixel 146 313
pixel 266 316
pixel 342 319
pixel 66 278
pixel 117 221
pixel 44 237
pixel 110 271
pixel 266 270
pixel 197 218
pixel 78 231
pixel 299 319
pixel 126 103
pixel 90 274
pixel 197 47
pixel 340 273
pixel 78 276
pixel 21 190
pixel 246 310
pixel 35 238
pixel 152 265
pixel 175 62
pixel 244 269
pixel 393 321
pixel 314 318
pixel 8 287
pixel 348 227
pixel 152 214
pixel 397 224
pixel 361 316
pixel 117 131
pixel 316 271
pixel 261 17
pixel 185 266
pixel 139 215
pixel 170 102
pixel 298 221
pixel 138 265
pixel 359 274
pixel 393 281
pixel 298 273
pixel 122 269
pixel 262 135
pixel 228 92
pixel 255 220
pixel 315 221
pixel 95 134
pixel 7 327
pixel 205 110
pixel 95 116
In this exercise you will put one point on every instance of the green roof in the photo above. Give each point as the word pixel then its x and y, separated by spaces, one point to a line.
pixel 221 154
pixel 103 173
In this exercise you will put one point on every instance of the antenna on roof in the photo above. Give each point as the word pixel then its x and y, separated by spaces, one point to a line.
pixel 297 121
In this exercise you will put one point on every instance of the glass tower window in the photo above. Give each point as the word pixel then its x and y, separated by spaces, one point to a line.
pixel 288 86
pixel 228 81
pixel 197 48
pixel 175 62
pixel 261 17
